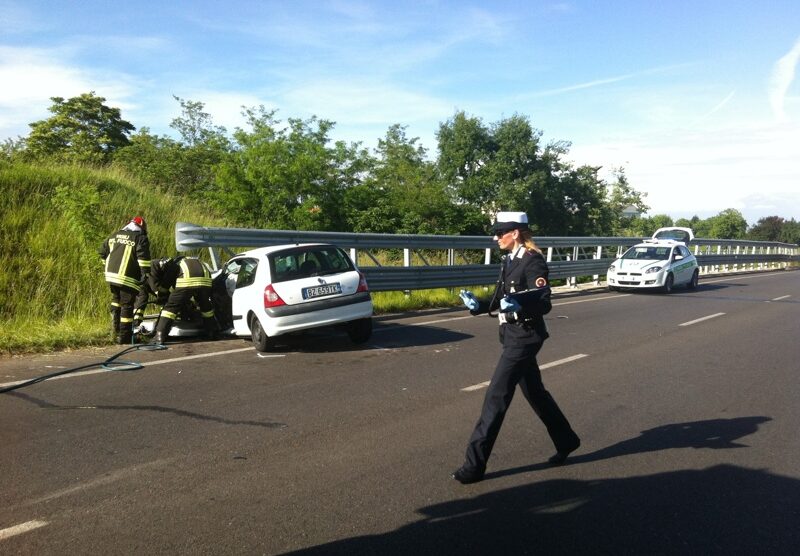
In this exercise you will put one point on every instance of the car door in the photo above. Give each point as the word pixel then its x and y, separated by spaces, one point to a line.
pixel 242 276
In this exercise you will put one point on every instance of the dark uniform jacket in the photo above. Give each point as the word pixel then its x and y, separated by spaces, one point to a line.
pixel 523 271
pixel 181 272
pixel 127 256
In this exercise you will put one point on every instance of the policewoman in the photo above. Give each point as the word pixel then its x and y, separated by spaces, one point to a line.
pixel 522 297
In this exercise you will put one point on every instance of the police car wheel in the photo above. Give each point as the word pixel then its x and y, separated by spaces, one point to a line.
pixel 693 282
pixel 261 341
pixel 668 283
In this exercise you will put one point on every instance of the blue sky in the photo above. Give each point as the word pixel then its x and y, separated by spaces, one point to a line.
pixel 699 101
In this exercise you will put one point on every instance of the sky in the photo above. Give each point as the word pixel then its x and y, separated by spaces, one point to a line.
pixel 698 101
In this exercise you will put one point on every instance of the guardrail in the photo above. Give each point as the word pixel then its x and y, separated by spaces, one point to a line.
pixel 568 257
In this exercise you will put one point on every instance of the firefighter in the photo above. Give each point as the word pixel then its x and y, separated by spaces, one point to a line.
pixel 177 282
pixel 127 262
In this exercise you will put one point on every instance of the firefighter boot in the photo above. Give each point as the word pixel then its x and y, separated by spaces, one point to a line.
pixel 125 335
pixel 211 328
pixel 162 330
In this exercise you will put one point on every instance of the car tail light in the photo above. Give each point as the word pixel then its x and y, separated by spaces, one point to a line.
pixel 362 283
pixel 271 297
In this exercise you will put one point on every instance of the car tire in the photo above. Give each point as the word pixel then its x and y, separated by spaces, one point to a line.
pixel 692 285
pixel 613 288
pixel 668 283
pixel 360 331
pixel 261 341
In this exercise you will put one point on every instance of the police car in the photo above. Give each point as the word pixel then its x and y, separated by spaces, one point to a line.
pixel 662 262
pixel 282 289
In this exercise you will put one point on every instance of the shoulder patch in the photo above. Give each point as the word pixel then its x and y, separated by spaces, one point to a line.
pixel 540 282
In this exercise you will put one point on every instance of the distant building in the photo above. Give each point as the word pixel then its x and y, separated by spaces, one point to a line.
pixel 631 212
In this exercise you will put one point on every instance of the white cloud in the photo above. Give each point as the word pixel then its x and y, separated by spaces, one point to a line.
pixel 35 75
pixel 783 73
pixel 752 169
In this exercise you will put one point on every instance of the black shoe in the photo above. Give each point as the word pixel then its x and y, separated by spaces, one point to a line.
pixel 561 456
pixel 466 475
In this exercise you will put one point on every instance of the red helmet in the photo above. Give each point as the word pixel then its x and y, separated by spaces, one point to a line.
pixel 139 221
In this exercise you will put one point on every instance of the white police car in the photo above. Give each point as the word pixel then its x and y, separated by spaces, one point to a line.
pixel 661 262
pixel 282 289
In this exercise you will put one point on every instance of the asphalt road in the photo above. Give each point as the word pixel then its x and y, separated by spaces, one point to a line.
pixel 687 406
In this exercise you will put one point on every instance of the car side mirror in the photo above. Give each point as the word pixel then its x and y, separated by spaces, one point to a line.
pixel 678 257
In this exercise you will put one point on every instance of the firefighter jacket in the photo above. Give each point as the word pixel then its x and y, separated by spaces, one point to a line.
pixel 181 272
pixel 127 258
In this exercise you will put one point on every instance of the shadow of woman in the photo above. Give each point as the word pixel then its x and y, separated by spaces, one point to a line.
pixel 715 434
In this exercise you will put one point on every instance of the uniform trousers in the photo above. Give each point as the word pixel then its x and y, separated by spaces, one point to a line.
pixel 517 365
pixel 122 300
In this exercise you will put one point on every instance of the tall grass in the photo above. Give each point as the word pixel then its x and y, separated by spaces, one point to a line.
pixel 53 220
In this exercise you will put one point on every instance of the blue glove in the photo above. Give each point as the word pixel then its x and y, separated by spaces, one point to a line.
pixel 509 305
pixel 469 300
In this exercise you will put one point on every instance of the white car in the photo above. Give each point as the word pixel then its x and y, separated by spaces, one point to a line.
pixel 661 262
pixel 282 289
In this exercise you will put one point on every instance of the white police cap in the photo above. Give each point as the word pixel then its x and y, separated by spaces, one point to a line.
pixel 507 221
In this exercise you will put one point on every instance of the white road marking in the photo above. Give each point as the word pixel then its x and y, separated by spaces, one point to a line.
pixel 21 528
pixel 617 296
pixel 541 367
pixel 781 297
pixel 145 364
pixel 701 319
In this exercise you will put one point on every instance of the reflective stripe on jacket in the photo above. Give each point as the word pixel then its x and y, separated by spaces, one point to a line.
pixel 127 258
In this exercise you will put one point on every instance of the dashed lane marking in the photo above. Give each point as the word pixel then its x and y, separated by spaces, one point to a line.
pixel 701 319
pixel 541 367
pixel 781 297
pixel 21 528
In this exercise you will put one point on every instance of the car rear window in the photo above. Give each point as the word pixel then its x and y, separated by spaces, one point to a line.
pixel 302 262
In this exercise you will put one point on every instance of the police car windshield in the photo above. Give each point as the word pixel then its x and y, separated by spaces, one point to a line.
pixel 647 253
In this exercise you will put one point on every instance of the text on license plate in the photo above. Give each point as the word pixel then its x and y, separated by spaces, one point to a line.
pixel 319 291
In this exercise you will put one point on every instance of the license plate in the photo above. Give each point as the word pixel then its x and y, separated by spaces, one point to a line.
pixel 320 291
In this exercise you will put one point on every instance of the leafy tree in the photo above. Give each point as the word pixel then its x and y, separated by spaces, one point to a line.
pixel 82 129
pixel 621 196
pixel 791 232
pixel 768 228
pixel 728 224
pixel 183 167
pixel 284 177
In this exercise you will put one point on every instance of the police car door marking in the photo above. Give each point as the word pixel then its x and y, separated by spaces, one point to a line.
pixel 541 367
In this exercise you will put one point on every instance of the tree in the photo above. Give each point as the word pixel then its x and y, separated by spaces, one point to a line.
pixel 768 228
pixel 82 129
pixel 185 166
pixel 285 177
pixel 728 224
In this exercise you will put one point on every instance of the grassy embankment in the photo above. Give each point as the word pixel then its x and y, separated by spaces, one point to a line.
pixel 53 219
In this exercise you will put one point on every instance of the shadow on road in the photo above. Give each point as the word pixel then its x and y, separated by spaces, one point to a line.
pixel 712 433
pixel 383 336
pixel 720 510
pixel 724 509
pixel 149 408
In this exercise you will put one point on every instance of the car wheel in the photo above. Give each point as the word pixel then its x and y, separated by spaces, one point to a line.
pixel 261 341
pixel 360 331
pixel 668 283
pixel 692 285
